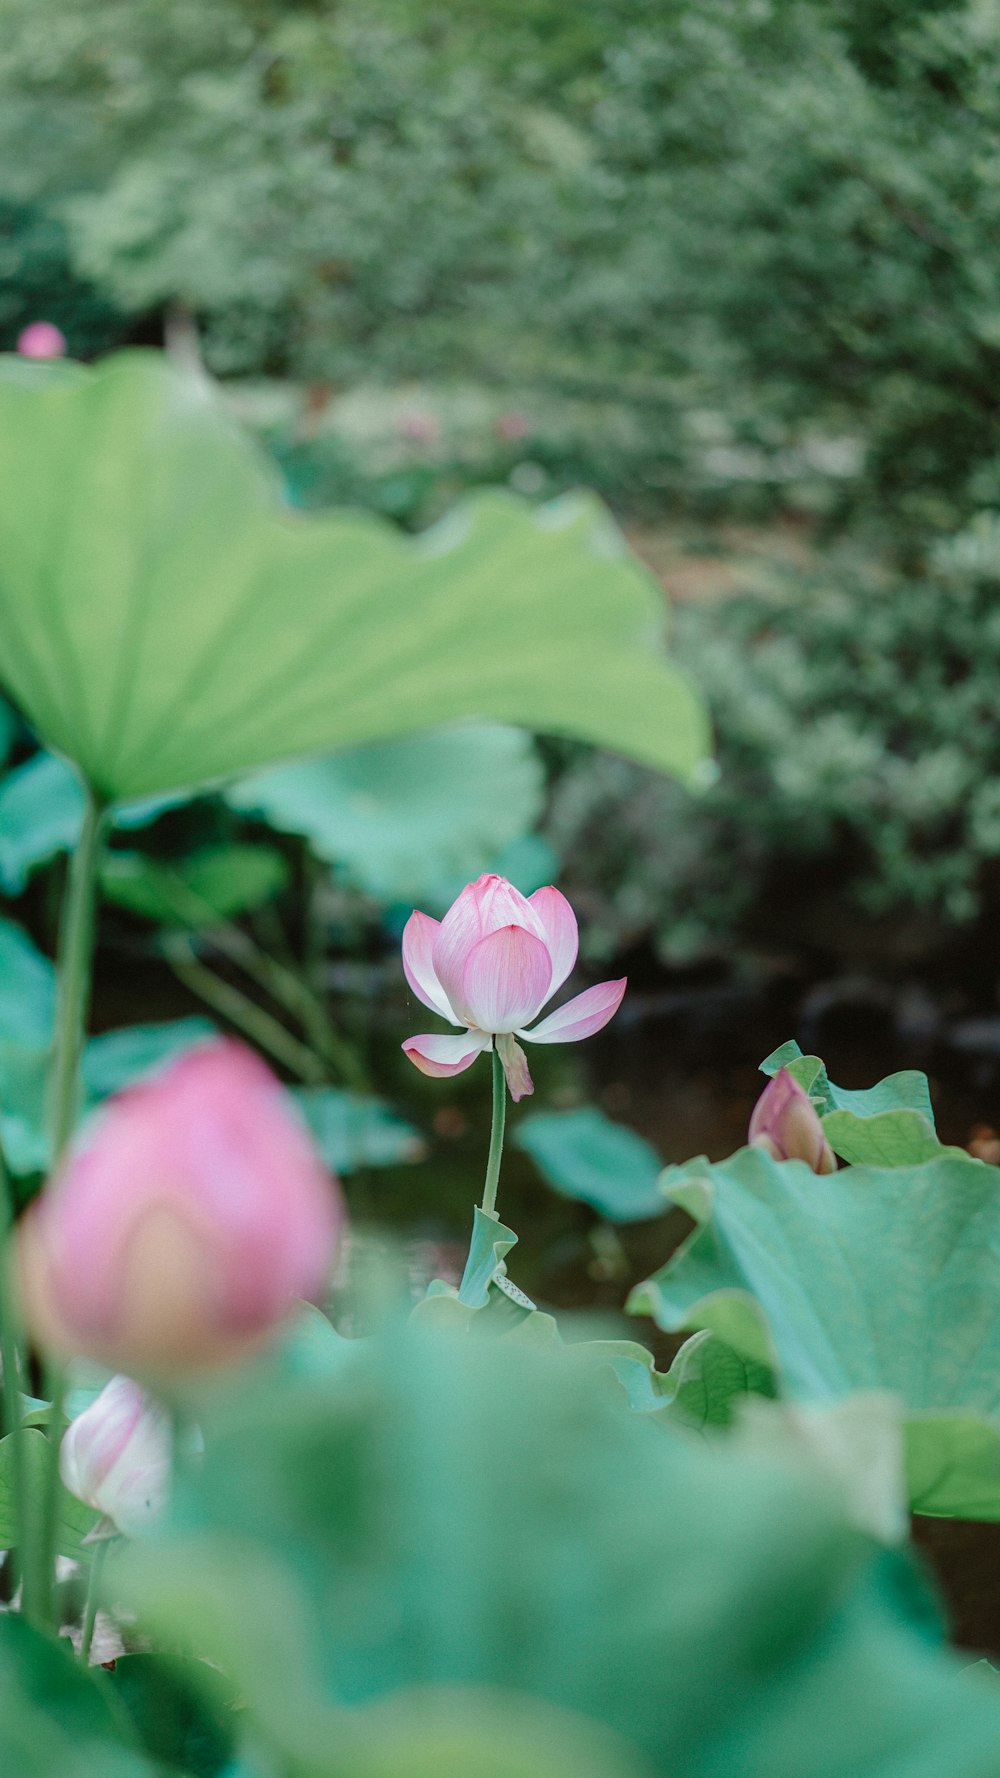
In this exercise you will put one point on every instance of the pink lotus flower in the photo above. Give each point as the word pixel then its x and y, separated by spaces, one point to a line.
pixel 115 1456
pixel 490 965
pixel 41 339
pixel 786 1125
pixel 188 1222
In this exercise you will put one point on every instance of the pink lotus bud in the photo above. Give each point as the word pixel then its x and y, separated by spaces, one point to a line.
pixel 115 1457
pixel 786 1124
pixel 41 339
pixel 490 965
pixel 186 1224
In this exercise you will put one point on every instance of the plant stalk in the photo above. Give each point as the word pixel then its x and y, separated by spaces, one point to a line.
pixel 75 966
pixel 496 1135
pixel 75 969
pixel 93 1596
pixel 12 1358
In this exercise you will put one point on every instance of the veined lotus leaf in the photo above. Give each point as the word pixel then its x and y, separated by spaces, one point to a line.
pixel 165 622
pixel 870 1278
pixel 451 1511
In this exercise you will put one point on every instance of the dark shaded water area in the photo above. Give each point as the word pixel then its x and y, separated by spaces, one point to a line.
pixel 680 1065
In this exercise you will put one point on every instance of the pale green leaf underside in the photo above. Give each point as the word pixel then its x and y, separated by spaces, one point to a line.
pixel 164 622
pixel 870 1278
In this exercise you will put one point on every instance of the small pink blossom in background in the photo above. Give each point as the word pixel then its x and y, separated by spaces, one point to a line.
pixel 513 427
pixel 41 339
pixel 419 428
pixel 786 1124
pixel 490 965
pixel 115 1456
pixel 187 1223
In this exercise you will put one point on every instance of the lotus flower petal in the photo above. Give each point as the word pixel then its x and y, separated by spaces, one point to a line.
pixel 506 979
pixel 442 1056
pixel 419 935
pixel 560 931
pixel 483 907
pixel 581 1017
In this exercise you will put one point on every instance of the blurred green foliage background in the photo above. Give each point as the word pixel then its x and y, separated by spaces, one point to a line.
pixel 732 263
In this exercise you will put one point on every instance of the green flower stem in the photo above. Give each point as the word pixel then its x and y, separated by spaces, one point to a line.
pixel 231 1003
pixel 12 1358
pixel 76 947
pixel 93 1596
pixel 496 1136
pixel 75 966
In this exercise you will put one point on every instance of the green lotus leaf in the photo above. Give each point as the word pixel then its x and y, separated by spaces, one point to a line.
pixel 583 1154
pixel 451 1511
pixel 409 821
pixel 59 1721
pixel 41 809
pixel 353 1130
pixel 165 622
pixel 869 1278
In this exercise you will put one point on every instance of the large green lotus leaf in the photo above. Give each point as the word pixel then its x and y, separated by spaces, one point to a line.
pixel 708 1381
pixel 57 1720
pixel 869 1278
pixel 27 1020
pixel 472 1512
pixel 41 814
pixel 583 1154
pixel 406 819
pixel 353 1130
pixel 41 810
pixel 888 1125
pixel 165 622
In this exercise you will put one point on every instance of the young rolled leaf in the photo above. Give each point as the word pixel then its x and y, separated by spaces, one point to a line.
pixel 164 622
pixel 869 1278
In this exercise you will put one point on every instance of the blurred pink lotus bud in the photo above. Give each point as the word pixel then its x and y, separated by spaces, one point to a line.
pixel 186 1224
pixel 420 428
pixel 786 1124
pixel 41 339
pixel 513 427
pixel 115 1456
pixel 490 965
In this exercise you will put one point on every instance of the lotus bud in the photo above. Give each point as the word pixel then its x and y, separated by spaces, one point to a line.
pixel 187 1223
pixel 786 1124
pixel 41 339
pixel 115 1456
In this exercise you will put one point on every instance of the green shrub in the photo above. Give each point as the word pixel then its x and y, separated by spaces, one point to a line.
pixel 859 770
